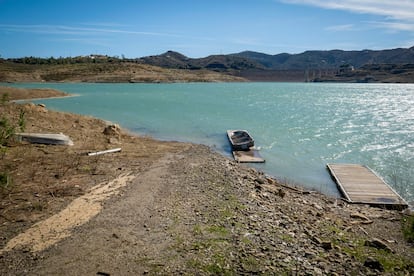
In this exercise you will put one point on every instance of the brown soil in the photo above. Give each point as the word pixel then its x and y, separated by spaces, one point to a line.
pixel 118 72
pixel 12 93
pixel 171 208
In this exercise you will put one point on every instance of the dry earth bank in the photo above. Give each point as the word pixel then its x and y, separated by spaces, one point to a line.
pixel 108 72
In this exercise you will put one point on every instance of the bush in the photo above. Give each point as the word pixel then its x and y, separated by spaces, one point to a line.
pixel 8 129
pixel 4 98
pixel 5 180
pixel 408 228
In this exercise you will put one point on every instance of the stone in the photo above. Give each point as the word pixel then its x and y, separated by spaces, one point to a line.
pixel 310 255
pixel 377 243
pixel 281 193
pixel 112 130
pixel 373 264
pixel 317 206
pixel 114 141
pixel 359 216
pixel 316 240
pixel 327 245
pixel 260 180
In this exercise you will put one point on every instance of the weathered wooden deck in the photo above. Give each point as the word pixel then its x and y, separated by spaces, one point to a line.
pixel 250 156
pixel 359 184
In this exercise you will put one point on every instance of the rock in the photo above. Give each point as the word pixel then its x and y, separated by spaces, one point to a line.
pixel 260 181
pixel 358 215
pixel 291 234
pixel 281 193
pixel 377 243
pixel 103 273
pixel 41 108
pixel 114 141
pixel 112 130
pixel 327 245
pixel 317 271
pixel 257 186
pixel 317 206
pixel 373 264
pixel 316 240
pixel 310 255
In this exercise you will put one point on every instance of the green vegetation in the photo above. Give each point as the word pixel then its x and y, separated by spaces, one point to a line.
pixel 5 181
pixel 4 98
pixel 389 261
pixel 408 228
pixel 68 60
pixel 8 128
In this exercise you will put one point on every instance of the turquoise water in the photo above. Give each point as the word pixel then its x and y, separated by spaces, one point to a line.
pixel 299 127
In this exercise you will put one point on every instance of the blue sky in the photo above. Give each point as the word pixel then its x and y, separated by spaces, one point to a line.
pixel 198 28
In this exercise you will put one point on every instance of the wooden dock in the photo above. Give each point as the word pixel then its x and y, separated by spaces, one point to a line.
pixel 249 156
pixel 359 184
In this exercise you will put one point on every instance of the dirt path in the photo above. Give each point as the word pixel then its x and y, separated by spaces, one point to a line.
pixel 121 236
pixel 50 231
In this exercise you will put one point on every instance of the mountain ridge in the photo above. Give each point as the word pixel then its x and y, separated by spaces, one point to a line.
pixel 311 59
pixel 391 65
pixel 313 65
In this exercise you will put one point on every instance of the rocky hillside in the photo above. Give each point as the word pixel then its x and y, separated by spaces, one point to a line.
pixel 394 65
pixel 220 63
pixel 386 73
pixel 104 70
pixel 333 59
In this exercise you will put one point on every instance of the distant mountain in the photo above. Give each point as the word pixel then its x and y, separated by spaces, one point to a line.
pixel 219 63
pixel 169 59
pixel 394 65
pixel 334 65
pixel 307 60
pixel 330 59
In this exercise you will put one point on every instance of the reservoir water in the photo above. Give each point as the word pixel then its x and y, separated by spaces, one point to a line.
pixel 299 127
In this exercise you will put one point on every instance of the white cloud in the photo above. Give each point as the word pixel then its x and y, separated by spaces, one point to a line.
pixel 398 10
pixel 71 30
pixel 345 27
pixel 393 26
pixel 398 15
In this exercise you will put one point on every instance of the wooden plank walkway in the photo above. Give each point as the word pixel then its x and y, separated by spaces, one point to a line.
pixel 249 156
pixel 359 184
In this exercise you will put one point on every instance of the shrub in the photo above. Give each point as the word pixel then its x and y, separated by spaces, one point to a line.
pixel 8 129
pixel 408 228
pixel 4 98
pixel 5 180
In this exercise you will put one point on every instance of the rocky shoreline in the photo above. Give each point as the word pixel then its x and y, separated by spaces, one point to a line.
pixel 184 210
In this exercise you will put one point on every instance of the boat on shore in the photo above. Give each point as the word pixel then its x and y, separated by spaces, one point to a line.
pixel 240 140
pixel 45 138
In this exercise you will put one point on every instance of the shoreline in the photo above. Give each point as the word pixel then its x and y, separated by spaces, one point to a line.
pixel 331 191
pixel 183 205
pixel 38 99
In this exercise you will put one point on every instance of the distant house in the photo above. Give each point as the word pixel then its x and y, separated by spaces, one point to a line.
pixel 346 68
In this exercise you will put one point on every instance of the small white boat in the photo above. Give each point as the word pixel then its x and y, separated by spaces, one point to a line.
pixel 240 140
pixel 45 138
